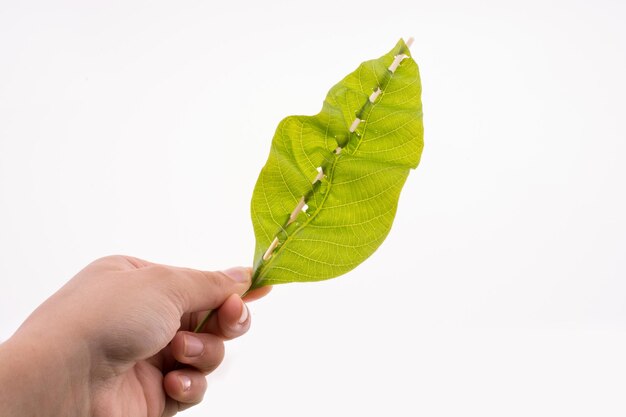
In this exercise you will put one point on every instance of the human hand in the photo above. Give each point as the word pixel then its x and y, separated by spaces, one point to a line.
pixel 117 340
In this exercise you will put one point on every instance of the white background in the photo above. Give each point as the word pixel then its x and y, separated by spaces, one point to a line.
pixel 140 127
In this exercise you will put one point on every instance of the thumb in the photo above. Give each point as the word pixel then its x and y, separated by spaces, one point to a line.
pixel 195 290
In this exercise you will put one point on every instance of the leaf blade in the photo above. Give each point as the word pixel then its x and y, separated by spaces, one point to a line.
pixel 351 210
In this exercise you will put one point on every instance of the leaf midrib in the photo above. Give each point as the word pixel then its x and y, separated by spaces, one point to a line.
pixel 265 266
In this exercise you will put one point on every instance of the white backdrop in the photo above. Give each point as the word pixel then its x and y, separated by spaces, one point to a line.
pixel 139 127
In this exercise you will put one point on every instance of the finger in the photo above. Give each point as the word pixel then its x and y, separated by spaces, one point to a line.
pixel 189 321
pixel 231 320
pixel 194 290
pixel 187 386
pixel 203 351
pixel 257 293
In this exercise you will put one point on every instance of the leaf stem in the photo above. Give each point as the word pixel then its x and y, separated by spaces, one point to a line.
pixel 203 321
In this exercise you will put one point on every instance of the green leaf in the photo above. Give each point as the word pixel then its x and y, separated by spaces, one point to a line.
pixel 351 208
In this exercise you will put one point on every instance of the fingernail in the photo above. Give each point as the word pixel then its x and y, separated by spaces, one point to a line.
pixel 244 313
pixel 185 382
pixel 193 346
pixel 239 274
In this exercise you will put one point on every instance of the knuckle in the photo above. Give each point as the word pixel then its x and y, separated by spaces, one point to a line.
pixel 118 262
pixel 217 279
pixel 167 281
pixel 108 261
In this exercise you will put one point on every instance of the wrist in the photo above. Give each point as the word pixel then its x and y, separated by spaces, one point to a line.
pixel 43 374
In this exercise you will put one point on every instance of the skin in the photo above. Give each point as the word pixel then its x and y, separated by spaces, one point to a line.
pixel 117 341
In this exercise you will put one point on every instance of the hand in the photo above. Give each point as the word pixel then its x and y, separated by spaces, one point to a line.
pixel 117 341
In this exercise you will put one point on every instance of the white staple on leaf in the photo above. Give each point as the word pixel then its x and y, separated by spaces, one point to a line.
pixel 355 124
pixel 338 150
pixel 319 176
pixel 294 213
pixel 375 94
pixel 396 62
pixel 268 252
